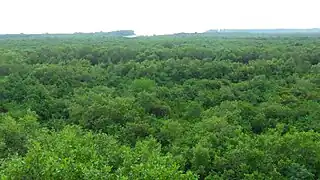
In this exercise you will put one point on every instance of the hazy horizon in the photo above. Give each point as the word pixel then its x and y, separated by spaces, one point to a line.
pixel 154 17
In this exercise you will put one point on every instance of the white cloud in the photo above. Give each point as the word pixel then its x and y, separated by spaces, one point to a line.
pixel 154 16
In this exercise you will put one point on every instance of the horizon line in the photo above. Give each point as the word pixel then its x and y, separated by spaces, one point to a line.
pixel 93 32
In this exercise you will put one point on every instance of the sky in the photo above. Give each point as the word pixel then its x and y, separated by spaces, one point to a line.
pixel 147 17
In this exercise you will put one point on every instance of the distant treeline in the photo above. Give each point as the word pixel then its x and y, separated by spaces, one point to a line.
pixel 112 33
pixel 211 32
pixel 314 30
pixel 254 32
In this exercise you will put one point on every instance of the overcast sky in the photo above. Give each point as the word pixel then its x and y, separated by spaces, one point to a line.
pixel 154 16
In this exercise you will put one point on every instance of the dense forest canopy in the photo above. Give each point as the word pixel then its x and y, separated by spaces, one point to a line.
pixel 87 106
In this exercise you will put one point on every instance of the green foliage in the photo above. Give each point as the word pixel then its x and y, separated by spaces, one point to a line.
pixel 73 154
pixel 15 132
pixel 92 106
